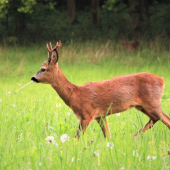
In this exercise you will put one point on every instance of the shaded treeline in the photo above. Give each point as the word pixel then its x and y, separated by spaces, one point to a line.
pixel 43 20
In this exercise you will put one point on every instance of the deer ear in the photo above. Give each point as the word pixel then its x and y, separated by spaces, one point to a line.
pixel 49 57
pixel 54 56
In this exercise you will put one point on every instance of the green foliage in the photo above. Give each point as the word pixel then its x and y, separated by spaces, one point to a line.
pixel 34 21
pixel 160 20
pixel 36 111
pixel 28 5
pixel 115 5
pixel 4 4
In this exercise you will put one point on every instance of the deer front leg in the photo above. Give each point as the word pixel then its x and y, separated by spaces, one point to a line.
pixel 78 131
pixel 82 126
pixel 104 126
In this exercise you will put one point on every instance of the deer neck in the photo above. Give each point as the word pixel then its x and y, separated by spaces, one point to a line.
pixel 62 86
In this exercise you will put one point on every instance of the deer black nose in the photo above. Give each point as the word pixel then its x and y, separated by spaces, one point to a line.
pixel 34 79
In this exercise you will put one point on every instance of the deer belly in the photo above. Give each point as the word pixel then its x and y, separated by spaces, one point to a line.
pixel 105 110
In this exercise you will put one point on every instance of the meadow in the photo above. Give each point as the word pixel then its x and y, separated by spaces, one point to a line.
pixel 35 112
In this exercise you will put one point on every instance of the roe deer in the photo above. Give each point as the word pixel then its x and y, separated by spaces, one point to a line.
pixel 131 46
pixel 96 100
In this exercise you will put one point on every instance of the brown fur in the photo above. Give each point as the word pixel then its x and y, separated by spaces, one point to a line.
pixel 96 100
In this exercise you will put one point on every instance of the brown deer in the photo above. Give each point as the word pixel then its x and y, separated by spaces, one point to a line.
pixel 96 100
pixel 131 46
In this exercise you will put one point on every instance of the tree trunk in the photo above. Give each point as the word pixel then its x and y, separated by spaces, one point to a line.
pixel 71 6
pixel 6 24
pixel 20 24
pixel 139 16
pixel 95 12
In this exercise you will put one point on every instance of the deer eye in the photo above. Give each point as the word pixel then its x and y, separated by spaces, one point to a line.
pixel 43 69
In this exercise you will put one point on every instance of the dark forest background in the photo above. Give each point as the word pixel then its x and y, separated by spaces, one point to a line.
pixel 34 21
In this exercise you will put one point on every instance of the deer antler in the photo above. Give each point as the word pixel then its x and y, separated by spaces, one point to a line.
pixel 51 46
pixel 58 45
pixel 48 48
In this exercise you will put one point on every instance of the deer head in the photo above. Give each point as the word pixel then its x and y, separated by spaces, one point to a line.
pixel 46 72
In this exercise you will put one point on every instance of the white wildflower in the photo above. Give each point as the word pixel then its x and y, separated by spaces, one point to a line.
pixel 151 157
pixel 64 138
pixel 40 164
pixel 110 145
pixel 154 157
pixel 72 159
pixel 118 114
pixel 50 139
pixel 135 153
pixel 148 157
pixel 58 105
pixel 0 100
pixel 96 153
pixel 13 105
pixel 68 113
pixel 9 92
pixel 122 167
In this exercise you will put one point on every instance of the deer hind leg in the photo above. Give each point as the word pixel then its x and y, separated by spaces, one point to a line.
pixel 104 126
pixel 165 119
pixel 149 125
pixel 155 115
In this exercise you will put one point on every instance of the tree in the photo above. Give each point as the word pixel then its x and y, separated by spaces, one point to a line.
pixel 138 11
pixel 95 12
pixel 139 16
pixel 71 7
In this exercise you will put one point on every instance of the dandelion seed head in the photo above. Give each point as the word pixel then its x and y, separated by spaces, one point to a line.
pixel 50 139
pixel 68 113
pixel 72 159
pixel 58 105
pixel 148 157
pixel 135 153
pixel 64 138
pixel 96 153
pixel 154 157
pixel 118 114
pixel 151 157
pixel 110 145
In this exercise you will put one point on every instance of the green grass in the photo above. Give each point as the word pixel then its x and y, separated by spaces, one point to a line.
pixel 30 115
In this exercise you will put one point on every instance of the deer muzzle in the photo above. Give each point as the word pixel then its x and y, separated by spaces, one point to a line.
pixel 34 79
